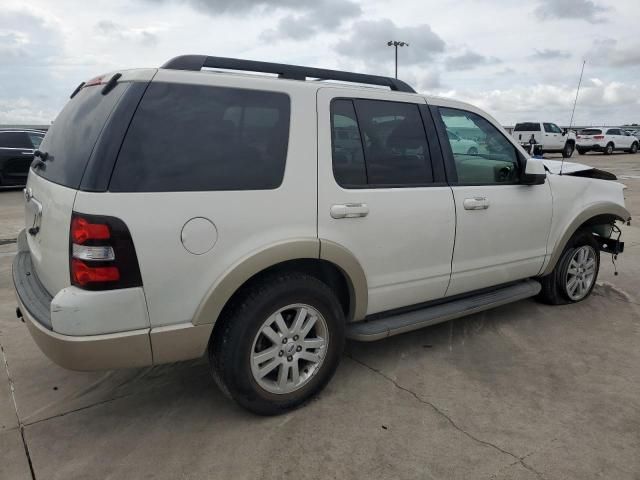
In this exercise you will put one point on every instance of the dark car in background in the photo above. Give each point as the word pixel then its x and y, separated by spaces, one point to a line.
pixel 16 154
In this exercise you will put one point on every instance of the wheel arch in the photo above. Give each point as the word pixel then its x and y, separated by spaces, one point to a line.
pixel 326 260
pixel 603 213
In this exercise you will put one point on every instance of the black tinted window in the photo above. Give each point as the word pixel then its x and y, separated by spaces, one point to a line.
pixel 527 127
pixel 194 137
pixel 348 158
pixel 70 140
pixel 591 131
pixel 14 140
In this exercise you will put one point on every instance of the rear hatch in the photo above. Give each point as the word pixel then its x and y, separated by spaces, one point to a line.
pixel 78 151
pixel 523 132
pixel 590 136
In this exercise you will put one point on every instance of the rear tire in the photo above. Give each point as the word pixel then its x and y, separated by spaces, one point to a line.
pixel 472 151
pixel 608 150
pixel 264 331
pixel 568 150
pixel 574 276
pixel 581 151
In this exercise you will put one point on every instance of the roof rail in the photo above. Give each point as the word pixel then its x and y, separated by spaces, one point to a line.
pixel 293 72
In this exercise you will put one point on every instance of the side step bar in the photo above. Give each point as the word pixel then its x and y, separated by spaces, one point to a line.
pixel 369 331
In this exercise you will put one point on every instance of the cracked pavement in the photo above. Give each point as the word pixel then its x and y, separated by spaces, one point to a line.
pixel 525 391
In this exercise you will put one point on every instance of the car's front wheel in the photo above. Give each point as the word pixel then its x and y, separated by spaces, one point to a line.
pixel 634 148
pixel 280 343
pixel 575 274
pixel 568 150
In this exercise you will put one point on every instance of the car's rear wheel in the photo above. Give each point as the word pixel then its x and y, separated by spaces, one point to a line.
pixel 575 274
pixel 568 150
pixel 581 151
pixel 608 150
pixel 634 148
pixel 472 151
pixel 279 344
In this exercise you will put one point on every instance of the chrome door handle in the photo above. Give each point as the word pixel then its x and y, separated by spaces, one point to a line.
pixel 349 210
pixel 476 203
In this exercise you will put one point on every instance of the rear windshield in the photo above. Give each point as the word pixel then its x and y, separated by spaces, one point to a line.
pixel 591 131
pixel 195 138
pixel 73 134
pixel 527 127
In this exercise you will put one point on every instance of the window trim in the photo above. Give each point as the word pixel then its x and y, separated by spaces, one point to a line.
pixel 431 137
pixel 447 152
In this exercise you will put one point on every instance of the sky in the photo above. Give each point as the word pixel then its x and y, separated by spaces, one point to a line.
pixel 519 60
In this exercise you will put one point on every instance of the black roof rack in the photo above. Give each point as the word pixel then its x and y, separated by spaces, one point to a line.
pixel 293 72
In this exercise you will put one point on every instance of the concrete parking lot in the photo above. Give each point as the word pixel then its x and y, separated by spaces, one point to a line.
pixel 525 391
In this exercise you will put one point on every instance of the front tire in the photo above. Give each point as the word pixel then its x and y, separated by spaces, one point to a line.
pixel 574 276
pixel 279 344
pixel 634 148
pixel 472 151
pixel 568 150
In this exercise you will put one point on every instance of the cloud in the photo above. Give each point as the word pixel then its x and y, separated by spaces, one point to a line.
pixel 22 111
pixel 468 61
pixel 324 16
pixel 598 99
pixel 586 10
pixel 550 54
pixel 302 19
pixel 368 43
pixel 28 37
pixel 607 52
pixel 112 30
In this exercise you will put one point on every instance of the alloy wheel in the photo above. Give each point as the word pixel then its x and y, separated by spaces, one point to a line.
pixel 289 348
pixel 581 273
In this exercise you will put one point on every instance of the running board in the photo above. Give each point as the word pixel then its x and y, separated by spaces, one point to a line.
pixel 371 330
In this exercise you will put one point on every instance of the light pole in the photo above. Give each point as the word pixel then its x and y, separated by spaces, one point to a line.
pixel 396 44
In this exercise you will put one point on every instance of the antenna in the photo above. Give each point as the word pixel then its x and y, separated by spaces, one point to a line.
pixel 574 110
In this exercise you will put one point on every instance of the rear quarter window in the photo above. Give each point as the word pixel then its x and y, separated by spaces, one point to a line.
pixel 198 138
pixel 527 127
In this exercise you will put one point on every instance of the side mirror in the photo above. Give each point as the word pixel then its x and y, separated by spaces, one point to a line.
pixel 533 172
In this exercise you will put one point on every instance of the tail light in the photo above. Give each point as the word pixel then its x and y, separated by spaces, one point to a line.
pixel 101 253
pixel 598 137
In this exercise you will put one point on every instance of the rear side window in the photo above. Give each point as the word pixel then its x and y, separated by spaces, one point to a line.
pixel 14 140
pixel 73 134
pixel 36 139
pixel 527 127
pixel 591 131
pixel 392 138
pixel 197 138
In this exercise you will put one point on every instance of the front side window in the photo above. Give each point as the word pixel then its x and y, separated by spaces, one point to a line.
pixel 202 138
pixel 36 139
pixel 552 128
pixel 486 157
pixel 389 136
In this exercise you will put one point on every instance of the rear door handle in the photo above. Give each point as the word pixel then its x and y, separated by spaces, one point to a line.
pixel 349 210
pixel 476 203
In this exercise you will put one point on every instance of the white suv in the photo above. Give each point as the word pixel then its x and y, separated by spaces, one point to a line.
pixel 174 212
pixel 606 140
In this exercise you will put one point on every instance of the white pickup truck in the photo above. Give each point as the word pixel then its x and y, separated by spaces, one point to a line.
pixel 545 137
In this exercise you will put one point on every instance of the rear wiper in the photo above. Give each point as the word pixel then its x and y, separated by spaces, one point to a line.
pixel 40 157
pixel 78 88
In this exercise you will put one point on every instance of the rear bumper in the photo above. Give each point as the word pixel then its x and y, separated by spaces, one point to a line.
pixel 128 349
pixel 87 352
